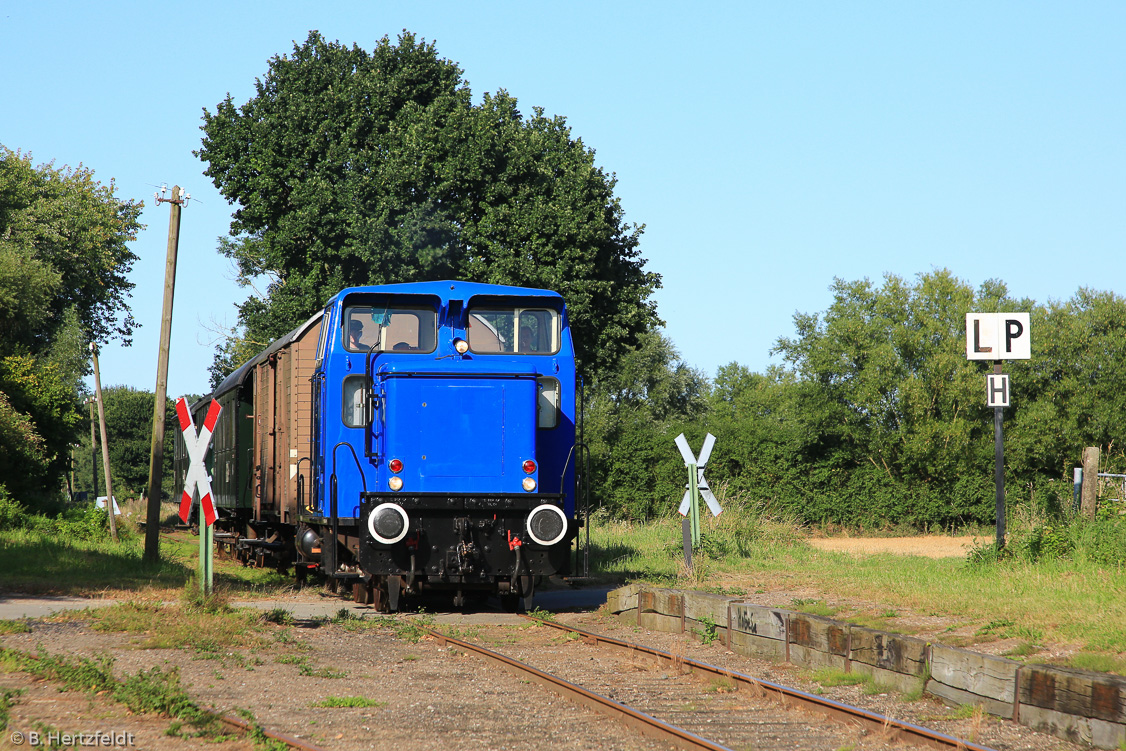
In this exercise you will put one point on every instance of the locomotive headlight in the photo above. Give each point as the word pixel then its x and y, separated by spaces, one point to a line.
pixel 546 524
pixel 395 483
pixel 461 346
pixel 388 523
pixel 529 484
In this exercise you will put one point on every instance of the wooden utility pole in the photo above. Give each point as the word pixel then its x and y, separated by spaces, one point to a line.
pixel 156 457
pixel 1089 496
pixel 105 443
pixel 93 450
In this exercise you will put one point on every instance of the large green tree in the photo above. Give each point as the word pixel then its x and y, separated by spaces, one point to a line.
pixel 894 422
pixel 64 246
pixel 64 265
pixel 633 414
pixel 352 167
pixel 129 433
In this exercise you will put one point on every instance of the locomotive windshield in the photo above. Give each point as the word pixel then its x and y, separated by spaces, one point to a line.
pixel 531 331
pixel 390 329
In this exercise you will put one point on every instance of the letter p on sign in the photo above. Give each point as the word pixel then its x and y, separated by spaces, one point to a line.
pixel 998 336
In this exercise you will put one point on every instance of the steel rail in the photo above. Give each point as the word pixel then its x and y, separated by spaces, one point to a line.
pixel 645 724
pixel 249 727
pixel 895 728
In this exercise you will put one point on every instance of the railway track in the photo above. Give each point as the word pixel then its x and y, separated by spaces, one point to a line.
pixel 289 741
pixel 690 704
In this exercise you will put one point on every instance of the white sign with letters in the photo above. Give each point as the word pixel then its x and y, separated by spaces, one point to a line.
pixel 996 390
pixel 998 336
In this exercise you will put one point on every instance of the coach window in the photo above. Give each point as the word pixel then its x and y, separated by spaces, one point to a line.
pixel 527 331
pixel 354 401
pixel 389 329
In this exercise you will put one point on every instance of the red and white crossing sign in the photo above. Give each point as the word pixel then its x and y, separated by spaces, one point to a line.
pixel 197 446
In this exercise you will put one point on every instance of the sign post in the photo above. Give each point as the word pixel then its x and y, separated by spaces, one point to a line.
pixel 197 481
pixel 998 337
pixel 696 488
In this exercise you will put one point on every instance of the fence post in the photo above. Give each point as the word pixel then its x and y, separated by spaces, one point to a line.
pixel 1089 497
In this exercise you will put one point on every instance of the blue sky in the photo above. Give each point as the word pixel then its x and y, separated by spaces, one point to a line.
pixel 768 148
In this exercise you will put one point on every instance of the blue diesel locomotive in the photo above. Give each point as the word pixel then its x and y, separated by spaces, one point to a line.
pixel 408 437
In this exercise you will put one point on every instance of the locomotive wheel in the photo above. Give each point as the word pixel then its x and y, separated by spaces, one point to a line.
pixel 379 597
pixel 527 591
pixel 393 585
pixel 362 593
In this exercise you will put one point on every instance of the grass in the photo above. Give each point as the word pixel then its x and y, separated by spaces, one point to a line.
pixel 1077 601
pixel 45 561
pixel 813 607
pixel 348 701
pixel 1102 662
pixel 8 698
pixel 306 669
pixel 177 626
pixel 833 677
pixel 153 691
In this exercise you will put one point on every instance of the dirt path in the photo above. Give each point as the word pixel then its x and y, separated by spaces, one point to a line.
pixel 929 546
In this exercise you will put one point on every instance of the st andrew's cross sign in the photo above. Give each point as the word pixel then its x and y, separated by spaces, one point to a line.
pixel 196 447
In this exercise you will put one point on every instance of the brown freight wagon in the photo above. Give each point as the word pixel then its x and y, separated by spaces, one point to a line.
pixel 261 455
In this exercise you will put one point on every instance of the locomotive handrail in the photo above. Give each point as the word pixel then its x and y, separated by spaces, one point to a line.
pixel 582 479
pixel 369 403
pixel 334 518
pixel 584 492
pixel 301 483
pixel 455 373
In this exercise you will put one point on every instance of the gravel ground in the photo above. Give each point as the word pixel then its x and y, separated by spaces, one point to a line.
pixel 428 696
pixel 982 729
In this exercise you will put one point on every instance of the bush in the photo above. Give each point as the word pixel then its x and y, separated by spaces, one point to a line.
pixel 1102 542
pixel 12 514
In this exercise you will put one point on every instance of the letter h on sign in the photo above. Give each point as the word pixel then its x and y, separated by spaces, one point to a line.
pixel 997 390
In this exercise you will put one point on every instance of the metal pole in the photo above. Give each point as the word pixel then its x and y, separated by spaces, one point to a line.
pixel 105 443
pixel 206 556
pixel 999 465
pixel 694 496
pixel 1077 487
pixel 156 458
pixel 686 529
